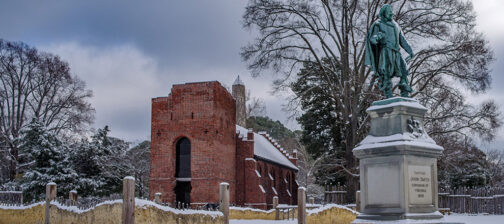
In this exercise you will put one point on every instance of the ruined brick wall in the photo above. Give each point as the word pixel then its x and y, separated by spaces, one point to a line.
pixel 204 113
pixel 239 96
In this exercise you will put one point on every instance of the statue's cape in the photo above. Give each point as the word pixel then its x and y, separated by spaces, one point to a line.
pixel 371 51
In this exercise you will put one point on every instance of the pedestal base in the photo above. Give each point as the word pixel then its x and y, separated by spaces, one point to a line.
pixel 417 218
pixel 398 168
pixel 434 216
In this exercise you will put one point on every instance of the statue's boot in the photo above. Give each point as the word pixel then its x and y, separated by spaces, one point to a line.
pixel 405 88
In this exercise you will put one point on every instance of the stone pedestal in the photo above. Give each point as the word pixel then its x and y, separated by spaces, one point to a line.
pixel 398 170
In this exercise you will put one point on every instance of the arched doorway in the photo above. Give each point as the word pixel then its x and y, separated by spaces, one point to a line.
pixel 183 171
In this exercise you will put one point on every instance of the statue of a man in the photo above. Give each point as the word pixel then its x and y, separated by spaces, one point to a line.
pixel 383 53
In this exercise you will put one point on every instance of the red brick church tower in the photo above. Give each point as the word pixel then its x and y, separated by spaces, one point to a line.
pixel 196 144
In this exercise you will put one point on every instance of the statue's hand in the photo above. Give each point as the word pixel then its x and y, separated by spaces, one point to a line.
pixel 375 39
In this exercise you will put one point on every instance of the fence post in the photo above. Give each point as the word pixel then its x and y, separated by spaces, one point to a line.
pixel 21 197
pixel 357 201
pixel 128 211
pixel 275 205
pixel 311 200
pixel 301 205
pixel 50 195
pixel 494 200
pixel 224 201
pixel 157 198
pixel 72 196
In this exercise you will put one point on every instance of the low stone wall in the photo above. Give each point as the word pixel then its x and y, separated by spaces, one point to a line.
pixel 251 213
pixel 328 214
pixel 33 213
pixel 150 212
pixel 331 214
pixel 107 212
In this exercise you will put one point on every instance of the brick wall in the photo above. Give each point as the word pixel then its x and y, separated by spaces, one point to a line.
pixel 205 114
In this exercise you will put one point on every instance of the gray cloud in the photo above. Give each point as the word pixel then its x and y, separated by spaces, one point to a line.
pixel 131 51
pixel 176 32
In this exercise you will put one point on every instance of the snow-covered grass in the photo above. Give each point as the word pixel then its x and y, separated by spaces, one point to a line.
pixel 474 219
pixel 259 221
pixel 454 218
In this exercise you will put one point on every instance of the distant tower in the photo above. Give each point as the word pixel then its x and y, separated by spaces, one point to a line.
pixel 239 96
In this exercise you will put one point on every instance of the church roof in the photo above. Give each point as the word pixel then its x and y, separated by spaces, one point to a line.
pixel 265 150
pixel 238 81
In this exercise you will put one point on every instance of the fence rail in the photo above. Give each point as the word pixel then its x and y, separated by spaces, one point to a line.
pixel 460 200
pixel 335 194
pixel 11 195
pixel 472 200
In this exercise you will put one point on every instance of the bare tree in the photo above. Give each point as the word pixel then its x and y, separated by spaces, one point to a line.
pixel 38 85
pixel 331 36
pixel 256 107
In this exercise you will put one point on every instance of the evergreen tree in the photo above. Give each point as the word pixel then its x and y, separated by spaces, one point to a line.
pixel 44 158
pixel 285 137
pixel 99 165
pixel 324 125
pixel 462 165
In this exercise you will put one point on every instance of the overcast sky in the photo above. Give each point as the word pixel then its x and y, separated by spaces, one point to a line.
pixel 131 51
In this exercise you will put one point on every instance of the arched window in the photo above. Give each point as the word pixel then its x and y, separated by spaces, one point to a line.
pixel 183 158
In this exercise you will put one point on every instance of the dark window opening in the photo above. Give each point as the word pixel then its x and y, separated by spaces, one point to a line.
pixel 192 115
pixel 183 158
pixel 183 192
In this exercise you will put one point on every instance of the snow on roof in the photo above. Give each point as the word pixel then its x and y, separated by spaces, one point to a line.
pixel 274 190
pixel 265 150
pixel 262 189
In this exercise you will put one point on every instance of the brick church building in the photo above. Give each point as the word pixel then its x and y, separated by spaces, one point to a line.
pixel 199 139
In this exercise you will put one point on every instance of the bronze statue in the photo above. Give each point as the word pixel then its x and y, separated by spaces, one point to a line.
pixel 383 53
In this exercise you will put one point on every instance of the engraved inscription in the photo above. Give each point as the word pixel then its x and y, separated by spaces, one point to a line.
pixel 420 188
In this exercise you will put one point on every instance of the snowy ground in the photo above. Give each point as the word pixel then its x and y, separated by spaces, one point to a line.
pixel 461 218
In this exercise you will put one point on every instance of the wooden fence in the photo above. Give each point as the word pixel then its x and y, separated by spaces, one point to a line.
pixel 335 194
pixel 472 200
pixel 11 195
pixel 461 200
